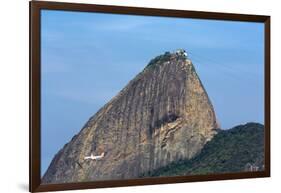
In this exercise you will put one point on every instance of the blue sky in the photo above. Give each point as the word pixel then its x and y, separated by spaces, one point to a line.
pixel 87 58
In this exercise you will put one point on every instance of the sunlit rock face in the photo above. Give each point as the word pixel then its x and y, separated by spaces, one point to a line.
pixel 164 114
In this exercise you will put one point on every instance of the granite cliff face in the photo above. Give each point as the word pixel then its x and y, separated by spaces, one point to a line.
pixel 161 116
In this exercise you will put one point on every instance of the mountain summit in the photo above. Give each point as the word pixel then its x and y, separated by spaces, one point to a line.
pixel 163 115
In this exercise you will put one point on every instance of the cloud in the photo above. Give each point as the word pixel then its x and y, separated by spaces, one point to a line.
pixel 111 23
pixel 90 96
pixel 120 25
pixel 54 67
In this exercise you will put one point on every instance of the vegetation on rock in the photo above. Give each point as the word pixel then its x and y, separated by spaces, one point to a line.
pixel 233 150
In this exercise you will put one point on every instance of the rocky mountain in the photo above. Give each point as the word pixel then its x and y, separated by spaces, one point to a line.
pixel 163 115
pixel 234 150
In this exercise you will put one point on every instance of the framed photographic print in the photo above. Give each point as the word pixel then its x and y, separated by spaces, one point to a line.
pixel 123 96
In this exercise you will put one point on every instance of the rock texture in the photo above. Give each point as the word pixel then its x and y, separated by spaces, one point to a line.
pixel 162 115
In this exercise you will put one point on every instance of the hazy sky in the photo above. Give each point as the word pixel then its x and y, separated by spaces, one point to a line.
pixel 88 57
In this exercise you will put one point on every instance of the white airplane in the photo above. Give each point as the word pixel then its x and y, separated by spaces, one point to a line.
pixel 92 157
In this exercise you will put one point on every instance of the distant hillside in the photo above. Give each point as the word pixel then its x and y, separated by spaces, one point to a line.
pixel 238 149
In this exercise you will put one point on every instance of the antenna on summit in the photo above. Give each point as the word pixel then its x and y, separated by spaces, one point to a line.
pixel 181 52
